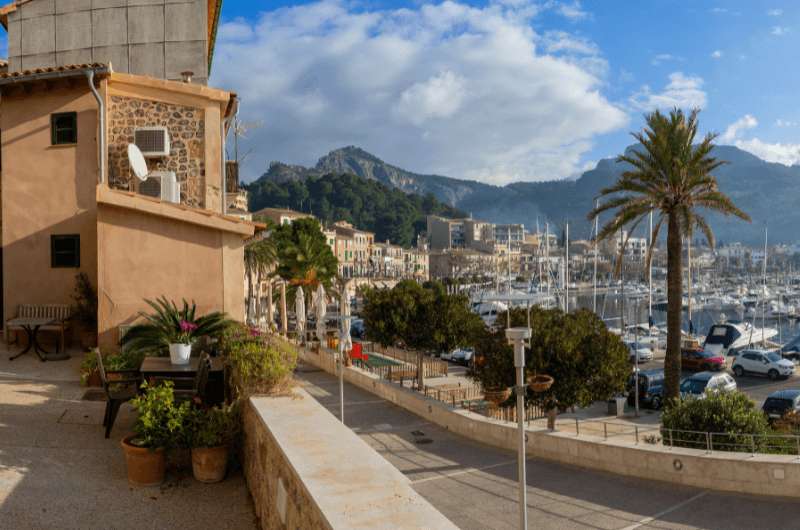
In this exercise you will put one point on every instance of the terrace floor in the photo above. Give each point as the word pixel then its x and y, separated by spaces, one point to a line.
pixel 58 471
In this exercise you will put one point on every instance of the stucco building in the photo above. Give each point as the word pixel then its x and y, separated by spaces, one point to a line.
pixel 70 203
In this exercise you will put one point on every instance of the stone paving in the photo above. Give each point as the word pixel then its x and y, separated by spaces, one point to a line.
pixel 57 471
pixel 475 486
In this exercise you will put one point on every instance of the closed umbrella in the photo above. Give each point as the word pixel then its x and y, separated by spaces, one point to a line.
pixel 300 313
pixel 321 309
pixel 344 336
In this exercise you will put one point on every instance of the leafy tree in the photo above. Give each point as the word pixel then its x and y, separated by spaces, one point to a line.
pixel 670 176
pixel 424 318
pixel 586 361
pixel 731 416
pixel 260 259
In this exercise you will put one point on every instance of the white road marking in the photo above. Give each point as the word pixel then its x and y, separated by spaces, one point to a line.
pixel 463 472
pixel 648 520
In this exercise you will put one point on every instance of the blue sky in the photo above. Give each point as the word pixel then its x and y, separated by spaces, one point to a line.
pixel 505 90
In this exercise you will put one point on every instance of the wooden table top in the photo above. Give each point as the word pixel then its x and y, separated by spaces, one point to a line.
pixel 162 365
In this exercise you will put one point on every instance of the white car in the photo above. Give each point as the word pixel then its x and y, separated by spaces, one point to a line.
pixel 644 354
pixel 699 385
pixel 762 362
pixel 459 355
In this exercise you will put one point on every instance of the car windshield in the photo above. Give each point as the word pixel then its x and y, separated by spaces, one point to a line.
pixel 774 357
pixel 693 386
pixel 774 403
pixel 706 354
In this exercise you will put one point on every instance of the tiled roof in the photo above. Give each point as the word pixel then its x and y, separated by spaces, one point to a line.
pixel 66 69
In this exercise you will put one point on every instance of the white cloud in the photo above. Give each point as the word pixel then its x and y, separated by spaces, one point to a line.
pixel 470 92
pixel 779 31
pixel 775 12
pixel 734 129
pixel 665 58
pixel 682 91
pixel 785 123
pixel 787 154
pixel 716 54
pixel 572 11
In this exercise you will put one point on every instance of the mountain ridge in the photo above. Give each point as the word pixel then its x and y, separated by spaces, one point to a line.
pixel 767 191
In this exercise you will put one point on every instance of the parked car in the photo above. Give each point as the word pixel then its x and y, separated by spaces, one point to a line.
pixel 780 403
pixel 702 383
pixel 641 351
pixel 459 355
pixel 701 361
pixel 651 385
pixel 762 362
pixel 357 328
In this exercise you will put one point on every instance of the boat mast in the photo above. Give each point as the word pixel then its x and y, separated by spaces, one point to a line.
pixel 566 270
pixel 596 251
pixel 650 276
pixel 764 304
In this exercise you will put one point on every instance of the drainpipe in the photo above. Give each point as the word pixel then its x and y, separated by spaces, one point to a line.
pixel 225 124
pixel 102 111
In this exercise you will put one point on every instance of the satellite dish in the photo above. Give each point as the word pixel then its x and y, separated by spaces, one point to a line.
pixel 138 164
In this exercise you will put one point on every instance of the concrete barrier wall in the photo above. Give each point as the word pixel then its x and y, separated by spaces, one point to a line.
pixel 777 475
pixel 305 469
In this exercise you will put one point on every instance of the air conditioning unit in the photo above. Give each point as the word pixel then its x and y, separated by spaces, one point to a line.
pixel 162 185
pixel 152 141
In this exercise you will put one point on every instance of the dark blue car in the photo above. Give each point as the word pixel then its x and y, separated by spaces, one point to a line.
pixel 651 387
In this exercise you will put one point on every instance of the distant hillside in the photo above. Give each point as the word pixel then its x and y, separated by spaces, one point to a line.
pixel 368 204
pixel 768 192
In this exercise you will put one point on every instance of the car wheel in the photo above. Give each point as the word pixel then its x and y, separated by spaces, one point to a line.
pixel 738 371
pixel 705 368
pixel 656 403
pixel 773 374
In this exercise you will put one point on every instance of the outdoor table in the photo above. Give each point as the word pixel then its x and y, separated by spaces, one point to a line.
pixel 31 327
pixel 160 368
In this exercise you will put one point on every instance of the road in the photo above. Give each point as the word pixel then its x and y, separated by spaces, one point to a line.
pixel 474 485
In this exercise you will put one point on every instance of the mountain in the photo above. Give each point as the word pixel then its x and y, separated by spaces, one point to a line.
pixel 333 196
pixel 767 191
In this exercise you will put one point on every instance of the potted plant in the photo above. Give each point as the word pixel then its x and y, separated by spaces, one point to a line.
pixel 180 346
pixel 90 376
pixel 212 431
pixel 84 310
pixel 159 424
pixel 172 330
pixel 494 367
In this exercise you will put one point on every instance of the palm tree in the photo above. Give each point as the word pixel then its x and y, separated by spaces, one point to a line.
pixel 260 258
pixel 670 176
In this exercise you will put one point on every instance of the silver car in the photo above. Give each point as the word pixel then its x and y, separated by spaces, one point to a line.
pixel 701 384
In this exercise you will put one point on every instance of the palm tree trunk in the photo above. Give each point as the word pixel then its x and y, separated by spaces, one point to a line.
pixel 284 316
pixel 672 359
pixel 270 311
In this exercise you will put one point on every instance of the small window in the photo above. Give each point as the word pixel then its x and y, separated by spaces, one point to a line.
pixel 65 251
pixel 64 128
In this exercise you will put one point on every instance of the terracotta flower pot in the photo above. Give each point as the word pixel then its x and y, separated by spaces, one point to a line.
pixel 93 380
pixel 146 467
pixel 497 395
pixel 209 464
pixel 539 382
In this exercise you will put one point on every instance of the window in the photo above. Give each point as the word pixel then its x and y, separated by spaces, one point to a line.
pixel 64 128
pixel 65 251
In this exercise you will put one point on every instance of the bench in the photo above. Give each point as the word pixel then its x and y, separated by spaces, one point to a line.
pixel 59 313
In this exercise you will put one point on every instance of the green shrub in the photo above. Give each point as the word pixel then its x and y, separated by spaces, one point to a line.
pixel 161 421
pixel 260 364
pixel 731 416
pixel 213 427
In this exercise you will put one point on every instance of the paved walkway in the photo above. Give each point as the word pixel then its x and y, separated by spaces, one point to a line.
pixel 57 471
pixel 475 485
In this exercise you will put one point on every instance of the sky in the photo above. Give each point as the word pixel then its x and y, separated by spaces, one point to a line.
pixel 504 90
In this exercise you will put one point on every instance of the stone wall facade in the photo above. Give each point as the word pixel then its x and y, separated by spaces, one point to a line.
pixel 186 126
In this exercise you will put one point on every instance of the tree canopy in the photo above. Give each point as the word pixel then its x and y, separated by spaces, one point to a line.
pixel 366 203
pixel 303 255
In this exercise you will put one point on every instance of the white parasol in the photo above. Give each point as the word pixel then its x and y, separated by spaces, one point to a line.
pixel 344 333
pixel 300 313
pixel 321 308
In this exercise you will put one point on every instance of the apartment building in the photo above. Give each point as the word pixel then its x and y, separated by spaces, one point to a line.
pixel 353 250
pixel 445 234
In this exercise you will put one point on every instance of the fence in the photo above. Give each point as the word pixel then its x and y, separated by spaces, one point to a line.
pixel 431 367
pixel 710 442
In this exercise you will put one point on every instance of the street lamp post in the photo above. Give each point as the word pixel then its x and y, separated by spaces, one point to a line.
pixel 518 336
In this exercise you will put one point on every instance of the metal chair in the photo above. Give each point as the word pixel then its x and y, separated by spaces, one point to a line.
pixel 197 390
pixel 118 390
